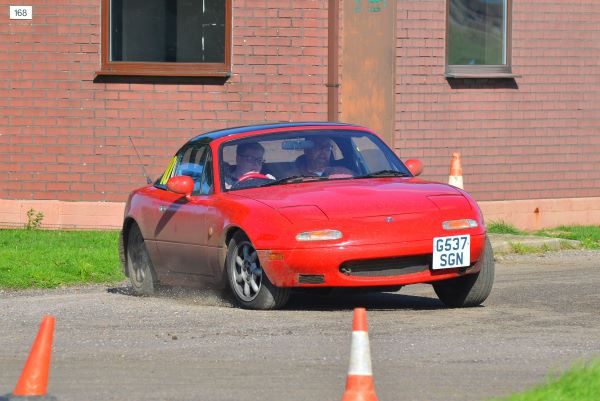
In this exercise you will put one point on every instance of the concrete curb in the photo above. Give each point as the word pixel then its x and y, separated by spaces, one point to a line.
pixel 504 243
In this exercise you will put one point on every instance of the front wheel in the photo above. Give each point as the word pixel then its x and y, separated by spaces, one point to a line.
pixel 251 288
pixel 470 290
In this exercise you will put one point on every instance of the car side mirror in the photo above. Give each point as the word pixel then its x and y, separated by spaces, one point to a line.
pixel 181 184
pixel 415 166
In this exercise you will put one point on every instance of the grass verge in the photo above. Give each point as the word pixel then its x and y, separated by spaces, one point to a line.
pixel 581 383
pixel 501 227
pixel 49 259
pixel 589 236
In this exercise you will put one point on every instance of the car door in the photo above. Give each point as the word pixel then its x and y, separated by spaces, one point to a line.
pixel 182 230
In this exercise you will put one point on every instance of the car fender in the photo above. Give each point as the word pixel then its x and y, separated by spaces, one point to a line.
pixel 261 223
pixel 474 206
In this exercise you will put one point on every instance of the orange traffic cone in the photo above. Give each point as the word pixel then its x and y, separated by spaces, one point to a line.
pixel 456 178
pixel 34 378
pixel 359 384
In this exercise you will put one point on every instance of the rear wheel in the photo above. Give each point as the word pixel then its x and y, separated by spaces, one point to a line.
pixel 139 267
pixel 470 290
pixel 250 286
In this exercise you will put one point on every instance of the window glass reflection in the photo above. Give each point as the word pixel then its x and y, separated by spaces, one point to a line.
pixel 477 32
pixel 167 30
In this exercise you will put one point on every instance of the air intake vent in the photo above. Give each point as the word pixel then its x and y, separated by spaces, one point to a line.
pixel 386 267
pixel 311 279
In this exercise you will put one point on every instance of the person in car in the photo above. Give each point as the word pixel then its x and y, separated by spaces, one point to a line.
pixel 317 158
pixel 248 158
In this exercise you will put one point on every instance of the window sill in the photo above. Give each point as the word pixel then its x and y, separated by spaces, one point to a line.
pixel 496 75
pixel 163 73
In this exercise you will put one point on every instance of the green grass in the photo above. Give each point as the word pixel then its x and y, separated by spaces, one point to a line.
pixel 589 236
pixel 581 383
pixel 49 259
pixel 523 249
pixel 501 227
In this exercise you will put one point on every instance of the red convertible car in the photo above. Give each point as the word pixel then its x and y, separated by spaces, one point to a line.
pixel 265 209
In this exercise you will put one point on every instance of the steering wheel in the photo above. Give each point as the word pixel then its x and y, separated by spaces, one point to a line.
pixel 247 180
pixel 251 175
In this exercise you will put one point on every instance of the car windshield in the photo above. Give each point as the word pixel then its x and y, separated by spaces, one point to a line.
pixel 306 156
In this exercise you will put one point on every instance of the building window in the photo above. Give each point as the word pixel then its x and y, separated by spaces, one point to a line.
pixel 478 38
pixel 166 37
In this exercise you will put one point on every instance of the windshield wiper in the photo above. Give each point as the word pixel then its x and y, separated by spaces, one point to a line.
pixel 385 173
pixel 294 179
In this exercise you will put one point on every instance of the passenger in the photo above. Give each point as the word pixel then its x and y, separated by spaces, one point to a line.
pixel 316 160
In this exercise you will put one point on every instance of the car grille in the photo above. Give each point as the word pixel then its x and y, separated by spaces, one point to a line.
pixel 386 267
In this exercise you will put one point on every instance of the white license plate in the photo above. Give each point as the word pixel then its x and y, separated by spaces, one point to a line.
pixel 451 252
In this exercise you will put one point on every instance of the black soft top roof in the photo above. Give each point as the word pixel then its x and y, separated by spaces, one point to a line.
pixel 258 127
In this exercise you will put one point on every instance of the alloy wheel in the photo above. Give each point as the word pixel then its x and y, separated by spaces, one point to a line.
pixel 247 273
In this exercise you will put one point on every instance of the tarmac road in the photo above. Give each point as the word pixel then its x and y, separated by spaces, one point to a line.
pixel 542 317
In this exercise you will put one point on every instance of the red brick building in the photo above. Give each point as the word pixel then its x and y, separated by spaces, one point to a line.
pixel 522 104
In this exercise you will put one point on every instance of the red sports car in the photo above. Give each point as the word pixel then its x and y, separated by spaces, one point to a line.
pixel 265 209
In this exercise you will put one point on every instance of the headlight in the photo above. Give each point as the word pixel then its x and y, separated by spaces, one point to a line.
pixel 319 235
pixel 459 224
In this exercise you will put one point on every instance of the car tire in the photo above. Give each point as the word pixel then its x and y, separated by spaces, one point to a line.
pixel 251 288
pixel 470 290
pixel 139 266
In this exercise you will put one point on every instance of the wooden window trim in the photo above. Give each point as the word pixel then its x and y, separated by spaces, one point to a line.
pixel 482 71
pixel 164 69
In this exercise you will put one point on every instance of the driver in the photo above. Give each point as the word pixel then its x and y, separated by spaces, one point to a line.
pixel 248 158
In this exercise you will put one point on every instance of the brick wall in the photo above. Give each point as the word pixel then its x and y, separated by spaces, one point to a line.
pixel 537 136
pixel 64 136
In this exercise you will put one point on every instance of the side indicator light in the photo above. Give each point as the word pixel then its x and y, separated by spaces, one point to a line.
pixel 275 256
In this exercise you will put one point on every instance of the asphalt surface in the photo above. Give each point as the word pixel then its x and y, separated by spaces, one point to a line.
pixel 541 317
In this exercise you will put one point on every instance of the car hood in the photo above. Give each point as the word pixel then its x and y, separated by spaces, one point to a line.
pixel 356 198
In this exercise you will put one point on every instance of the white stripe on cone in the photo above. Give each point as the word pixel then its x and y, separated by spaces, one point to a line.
pixel 456 181
pixel 360 354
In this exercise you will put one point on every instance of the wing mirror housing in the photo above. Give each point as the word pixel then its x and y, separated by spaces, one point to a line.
pixel 415 166
pixel 181 184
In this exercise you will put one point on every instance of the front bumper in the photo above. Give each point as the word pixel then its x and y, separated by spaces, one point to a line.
pixel 291 267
